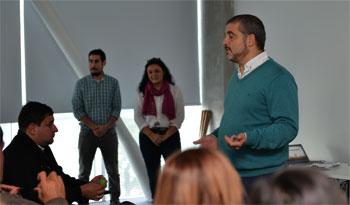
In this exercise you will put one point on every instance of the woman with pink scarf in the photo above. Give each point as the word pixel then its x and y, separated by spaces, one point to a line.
pixel 159 113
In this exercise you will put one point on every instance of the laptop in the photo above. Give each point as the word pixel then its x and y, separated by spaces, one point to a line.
pixel 297 155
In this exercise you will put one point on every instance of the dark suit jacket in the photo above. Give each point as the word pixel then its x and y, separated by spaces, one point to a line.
pixel 23 160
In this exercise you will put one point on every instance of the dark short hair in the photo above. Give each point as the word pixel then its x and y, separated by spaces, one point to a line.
pixel 250 24
pixel 33 112
pixel 297 186
pixel 98 52
pixel 167 75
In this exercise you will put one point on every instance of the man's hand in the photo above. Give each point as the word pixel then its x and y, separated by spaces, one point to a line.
pixel 50 187
pixel 236 141
pixel 209 142
pixel 10 189
pixel 93 190
pixel 100 130
pixel 98 179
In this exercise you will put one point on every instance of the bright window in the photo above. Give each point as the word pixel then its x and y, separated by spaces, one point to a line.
pixel 65 146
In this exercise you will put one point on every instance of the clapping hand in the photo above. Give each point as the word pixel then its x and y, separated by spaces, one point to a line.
pixel 10 189
pixel 50 187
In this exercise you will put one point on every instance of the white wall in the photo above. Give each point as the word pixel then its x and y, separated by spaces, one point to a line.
pixel 311 39
pixel 10 64
pixel 130 32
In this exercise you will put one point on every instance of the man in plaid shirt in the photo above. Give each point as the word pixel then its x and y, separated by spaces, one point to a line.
pixel 97 104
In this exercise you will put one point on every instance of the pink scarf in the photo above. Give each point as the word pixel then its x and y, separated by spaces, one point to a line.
pixel 149 105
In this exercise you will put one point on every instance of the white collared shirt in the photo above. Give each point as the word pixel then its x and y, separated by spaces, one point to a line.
pixel 253 64
pixel 41 148
pixel 160 120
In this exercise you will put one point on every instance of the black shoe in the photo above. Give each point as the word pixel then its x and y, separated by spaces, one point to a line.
pixel 121 203
pixel 127 203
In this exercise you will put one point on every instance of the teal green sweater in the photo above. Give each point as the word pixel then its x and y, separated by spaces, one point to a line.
pixel 264 105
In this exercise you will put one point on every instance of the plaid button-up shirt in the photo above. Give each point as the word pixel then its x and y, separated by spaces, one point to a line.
pixel 97 99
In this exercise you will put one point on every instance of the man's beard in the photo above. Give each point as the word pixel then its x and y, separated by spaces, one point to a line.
pixel 241 55
pixel 96 74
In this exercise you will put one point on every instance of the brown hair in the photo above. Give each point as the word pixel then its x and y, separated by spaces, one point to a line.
pixel 199 176
pixel 297 186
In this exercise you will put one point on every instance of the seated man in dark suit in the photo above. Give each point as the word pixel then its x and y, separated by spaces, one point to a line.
pixel 29 153
pixel 51 188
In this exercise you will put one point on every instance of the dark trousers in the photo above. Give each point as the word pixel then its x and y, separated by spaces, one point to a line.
pixel 108 144
pixel 151 153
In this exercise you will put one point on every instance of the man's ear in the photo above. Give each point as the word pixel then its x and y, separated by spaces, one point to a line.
pixel 251 42
pixel 104 62
pixel 31 129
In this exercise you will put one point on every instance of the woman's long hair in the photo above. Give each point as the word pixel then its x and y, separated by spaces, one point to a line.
pixel 167 75
pixel 199 176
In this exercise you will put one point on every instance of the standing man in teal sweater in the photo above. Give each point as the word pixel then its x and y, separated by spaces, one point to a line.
pixel 260 108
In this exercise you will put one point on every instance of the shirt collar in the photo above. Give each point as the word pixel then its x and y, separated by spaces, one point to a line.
pixel 102 79
pixel 253 64
pixel 41 147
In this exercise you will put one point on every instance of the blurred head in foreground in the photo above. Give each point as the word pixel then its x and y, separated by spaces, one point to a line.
pixel 199 176
pixel 297 186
